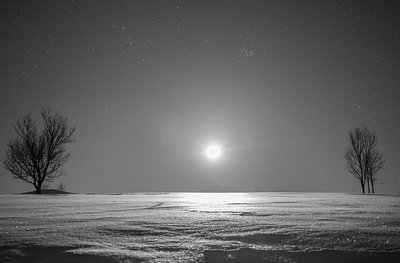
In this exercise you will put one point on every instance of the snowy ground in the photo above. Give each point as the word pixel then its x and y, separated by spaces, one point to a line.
pixel 200 227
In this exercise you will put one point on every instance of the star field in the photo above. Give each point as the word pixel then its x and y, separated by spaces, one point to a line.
pixel 147 83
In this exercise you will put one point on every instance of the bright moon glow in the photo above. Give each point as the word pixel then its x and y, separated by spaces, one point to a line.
pixel 213 152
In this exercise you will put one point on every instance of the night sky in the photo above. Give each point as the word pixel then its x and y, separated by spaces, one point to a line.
pixel 148 84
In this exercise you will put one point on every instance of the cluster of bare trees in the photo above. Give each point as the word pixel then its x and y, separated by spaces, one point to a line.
pixel 37 156
pixel 363 158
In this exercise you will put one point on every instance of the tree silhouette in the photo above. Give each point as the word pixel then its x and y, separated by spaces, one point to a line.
pixel 363 159
pixel 61 186
pixel 37 156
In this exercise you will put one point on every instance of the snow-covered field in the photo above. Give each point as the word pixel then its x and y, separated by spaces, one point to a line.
pixel 200 227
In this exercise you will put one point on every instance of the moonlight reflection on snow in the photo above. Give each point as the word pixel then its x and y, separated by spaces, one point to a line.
pixel 200 226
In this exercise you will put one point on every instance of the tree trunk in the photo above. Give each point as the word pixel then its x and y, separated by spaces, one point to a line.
pixel 372 186
pixel 363 187
pixel 38 189
pixel 369 190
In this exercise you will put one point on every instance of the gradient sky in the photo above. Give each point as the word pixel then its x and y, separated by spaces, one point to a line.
pixel 149 83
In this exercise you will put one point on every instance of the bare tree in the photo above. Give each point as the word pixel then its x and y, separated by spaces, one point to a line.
pixel 362 157
pixel 353 156
pixel 61 186
pixel 37 156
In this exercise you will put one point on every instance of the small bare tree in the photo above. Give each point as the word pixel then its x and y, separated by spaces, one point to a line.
pixel 363 159
pixel 37 156
pixel 61 186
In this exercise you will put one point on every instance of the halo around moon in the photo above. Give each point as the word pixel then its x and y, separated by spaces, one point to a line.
pixel 213 152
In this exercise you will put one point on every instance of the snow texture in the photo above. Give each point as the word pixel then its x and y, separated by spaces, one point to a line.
pixel 185 227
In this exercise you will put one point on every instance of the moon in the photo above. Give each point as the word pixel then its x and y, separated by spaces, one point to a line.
pixel 213 152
